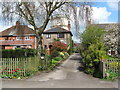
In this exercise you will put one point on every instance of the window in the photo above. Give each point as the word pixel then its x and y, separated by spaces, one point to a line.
pixel 27 38
pixel 28 46
pixel 61 35
pixel 48 35
pixel 6 38
pixel 21 46
pixel 45 46
pixel 18 38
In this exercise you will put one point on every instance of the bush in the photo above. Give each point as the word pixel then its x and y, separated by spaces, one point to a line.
pixel 57 58
pixel 111 75
pixel 59 46
pixel 54 62
pixel 54 53
pixel 18 53
pixel 64 55
pixel 93 49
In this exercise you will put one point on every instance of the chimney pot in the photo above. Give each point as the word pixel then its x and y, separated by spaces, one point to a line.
pixel 69 25
pixel 17 23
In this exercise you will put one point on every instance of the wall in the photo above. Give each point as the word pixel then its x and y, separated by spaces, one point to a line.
pixel 48 41
pixel 12 40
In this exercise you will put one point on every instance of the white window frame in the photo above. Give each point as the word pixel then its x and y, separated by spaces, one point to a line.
pixel 48 36
pixel 27 37
pixel 28 46
pixel 18 38
pixel 21 46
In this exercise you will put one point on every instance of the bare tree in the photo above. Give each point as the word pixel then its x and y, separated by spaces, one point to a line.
pixel 38 13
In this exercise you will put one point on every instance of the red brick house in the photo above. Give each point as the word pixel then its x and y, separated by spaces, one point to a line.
pixel 18 36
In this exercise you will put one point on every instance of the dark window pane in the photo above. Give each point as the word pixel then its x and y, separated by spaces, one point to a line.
pixel 61 35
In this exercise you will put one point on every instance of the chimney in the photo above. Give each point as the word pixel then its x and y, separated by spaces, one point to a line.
pixel 69 25
pixel 17 23
pixel 89 22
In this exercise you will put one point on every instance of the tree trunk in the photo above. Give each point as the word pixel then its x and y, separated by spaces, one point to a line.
pixel 39 46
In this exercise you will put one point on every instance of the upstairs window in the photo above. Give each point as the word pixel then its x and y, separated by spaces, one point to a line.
pixel 19 38
pixel 27 38
pixel 48 35
pixel 61 35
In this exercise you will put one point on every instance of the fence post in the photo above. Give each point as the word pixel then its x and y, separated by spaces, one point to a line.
pixel 24 60
pixel 46 61
pixel 104 68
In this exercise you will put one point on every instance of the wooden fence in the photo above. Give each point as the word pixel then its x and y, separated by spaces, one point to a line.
pixel 22 65
pixel 111 65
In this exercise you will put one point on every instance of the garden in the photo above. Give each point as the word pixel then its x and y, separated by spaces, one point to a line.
pixel 94 51
pixel 24 63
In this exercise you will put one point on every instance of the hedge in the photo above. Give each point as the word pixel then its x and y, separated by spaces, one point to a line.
pixel 18 53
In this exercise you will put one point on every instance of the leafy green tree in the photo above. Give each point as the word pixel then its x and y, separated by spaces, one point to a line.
pixel 93 49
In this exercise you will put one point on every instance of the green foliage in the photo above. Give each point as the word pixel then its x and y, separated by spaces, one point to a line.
pixel 54 62
pixel 97 73
pixel 111 75
pixel 57 58
pixel 114 65
pixel 54 53
pixel 111 58
pixel 56 39
pixel 57 47
pixel 18 53
pixel 30 73
pixel 41 68
pixel 66 54
pixel 93 49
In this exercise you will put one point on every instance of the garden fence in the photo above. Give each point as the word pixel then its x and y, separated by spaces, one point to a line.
pixel 111 65
pixel 23 65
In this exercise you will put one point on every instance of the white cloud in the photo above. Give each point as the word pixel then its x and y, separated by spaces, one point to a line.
pixel 113 4
pixel 100 15
pixel 3 27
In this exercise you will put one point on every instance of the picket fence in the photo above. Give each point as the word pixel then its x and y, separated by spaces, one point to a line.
pixel 111 65
pixel 23 65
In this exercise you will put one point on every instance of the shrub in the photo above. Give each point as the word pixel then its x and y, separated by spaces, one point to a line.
pixel 111 75
pixel 93 49
pixel 57 58
pixel 18 53
pixel 54 62
pixel 59 46
pixel 62 55
pixel 54 53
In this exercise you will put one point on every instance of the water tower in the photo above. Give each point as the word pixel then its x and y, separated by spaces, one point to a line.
pixel 60 20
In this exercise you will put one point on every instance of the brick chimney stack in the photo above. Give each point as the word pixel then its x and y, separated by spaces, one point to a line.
pixel 89 22
pixel 69 25
pixel 17 23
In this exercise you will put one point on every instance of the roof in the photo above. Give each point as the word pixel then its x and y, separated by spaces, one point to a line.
pixel 56 29
pixel 107 26
pixel 20 30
